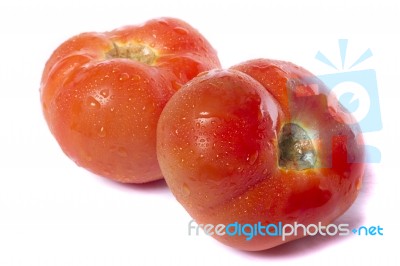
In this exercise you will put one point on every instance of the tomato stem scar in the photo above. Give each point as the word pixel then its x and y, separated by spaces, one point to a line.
pixel 134 51
pixel 296 150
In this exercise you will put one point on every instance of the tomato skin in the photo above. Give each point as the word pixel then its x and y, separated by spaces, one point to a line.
pixel 236 177
pixel 102 101
pixel 200 131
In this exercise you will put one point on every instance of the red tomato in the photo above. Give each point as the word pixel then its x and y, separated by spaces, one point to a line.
pixel 102 93
pixel 261 142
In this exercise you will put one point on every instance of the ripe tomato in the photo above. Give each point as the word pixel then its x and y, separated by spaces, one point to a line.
pixel 102 93
pixel 265 142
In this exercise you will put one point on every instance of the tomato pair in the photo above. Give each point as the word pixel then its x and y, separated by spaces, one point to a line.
pixel 263 141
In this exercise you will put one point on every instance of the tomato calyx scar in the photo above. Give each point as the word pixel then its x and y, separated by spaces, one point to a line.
pixel 134 51
pixel 296 149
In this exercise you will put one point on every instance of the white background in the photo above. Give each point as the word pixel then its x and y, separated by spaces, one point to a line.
pixel 55 213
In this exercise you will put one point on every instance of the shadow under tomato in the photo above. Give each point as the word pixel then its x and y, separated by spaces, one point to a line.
pixel 354 216
pixel 153 187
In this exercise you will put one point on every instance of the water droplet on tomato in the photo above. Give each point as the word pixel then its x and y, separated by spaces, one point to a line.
pixel 92 103
pixel 135 77
pixel 181 31
pixel 185 190
pixel 105 93
pixel 252 158
pixel 358 184
pixel 202 73
pixel 176 85
pixel 266 171
pixel 163 22
pixel 124 76
pixel 102 132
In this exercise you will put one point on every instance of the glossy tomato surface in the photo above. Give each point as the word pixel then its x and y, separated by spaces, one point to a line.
pixel 263 142
pixel 102 93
